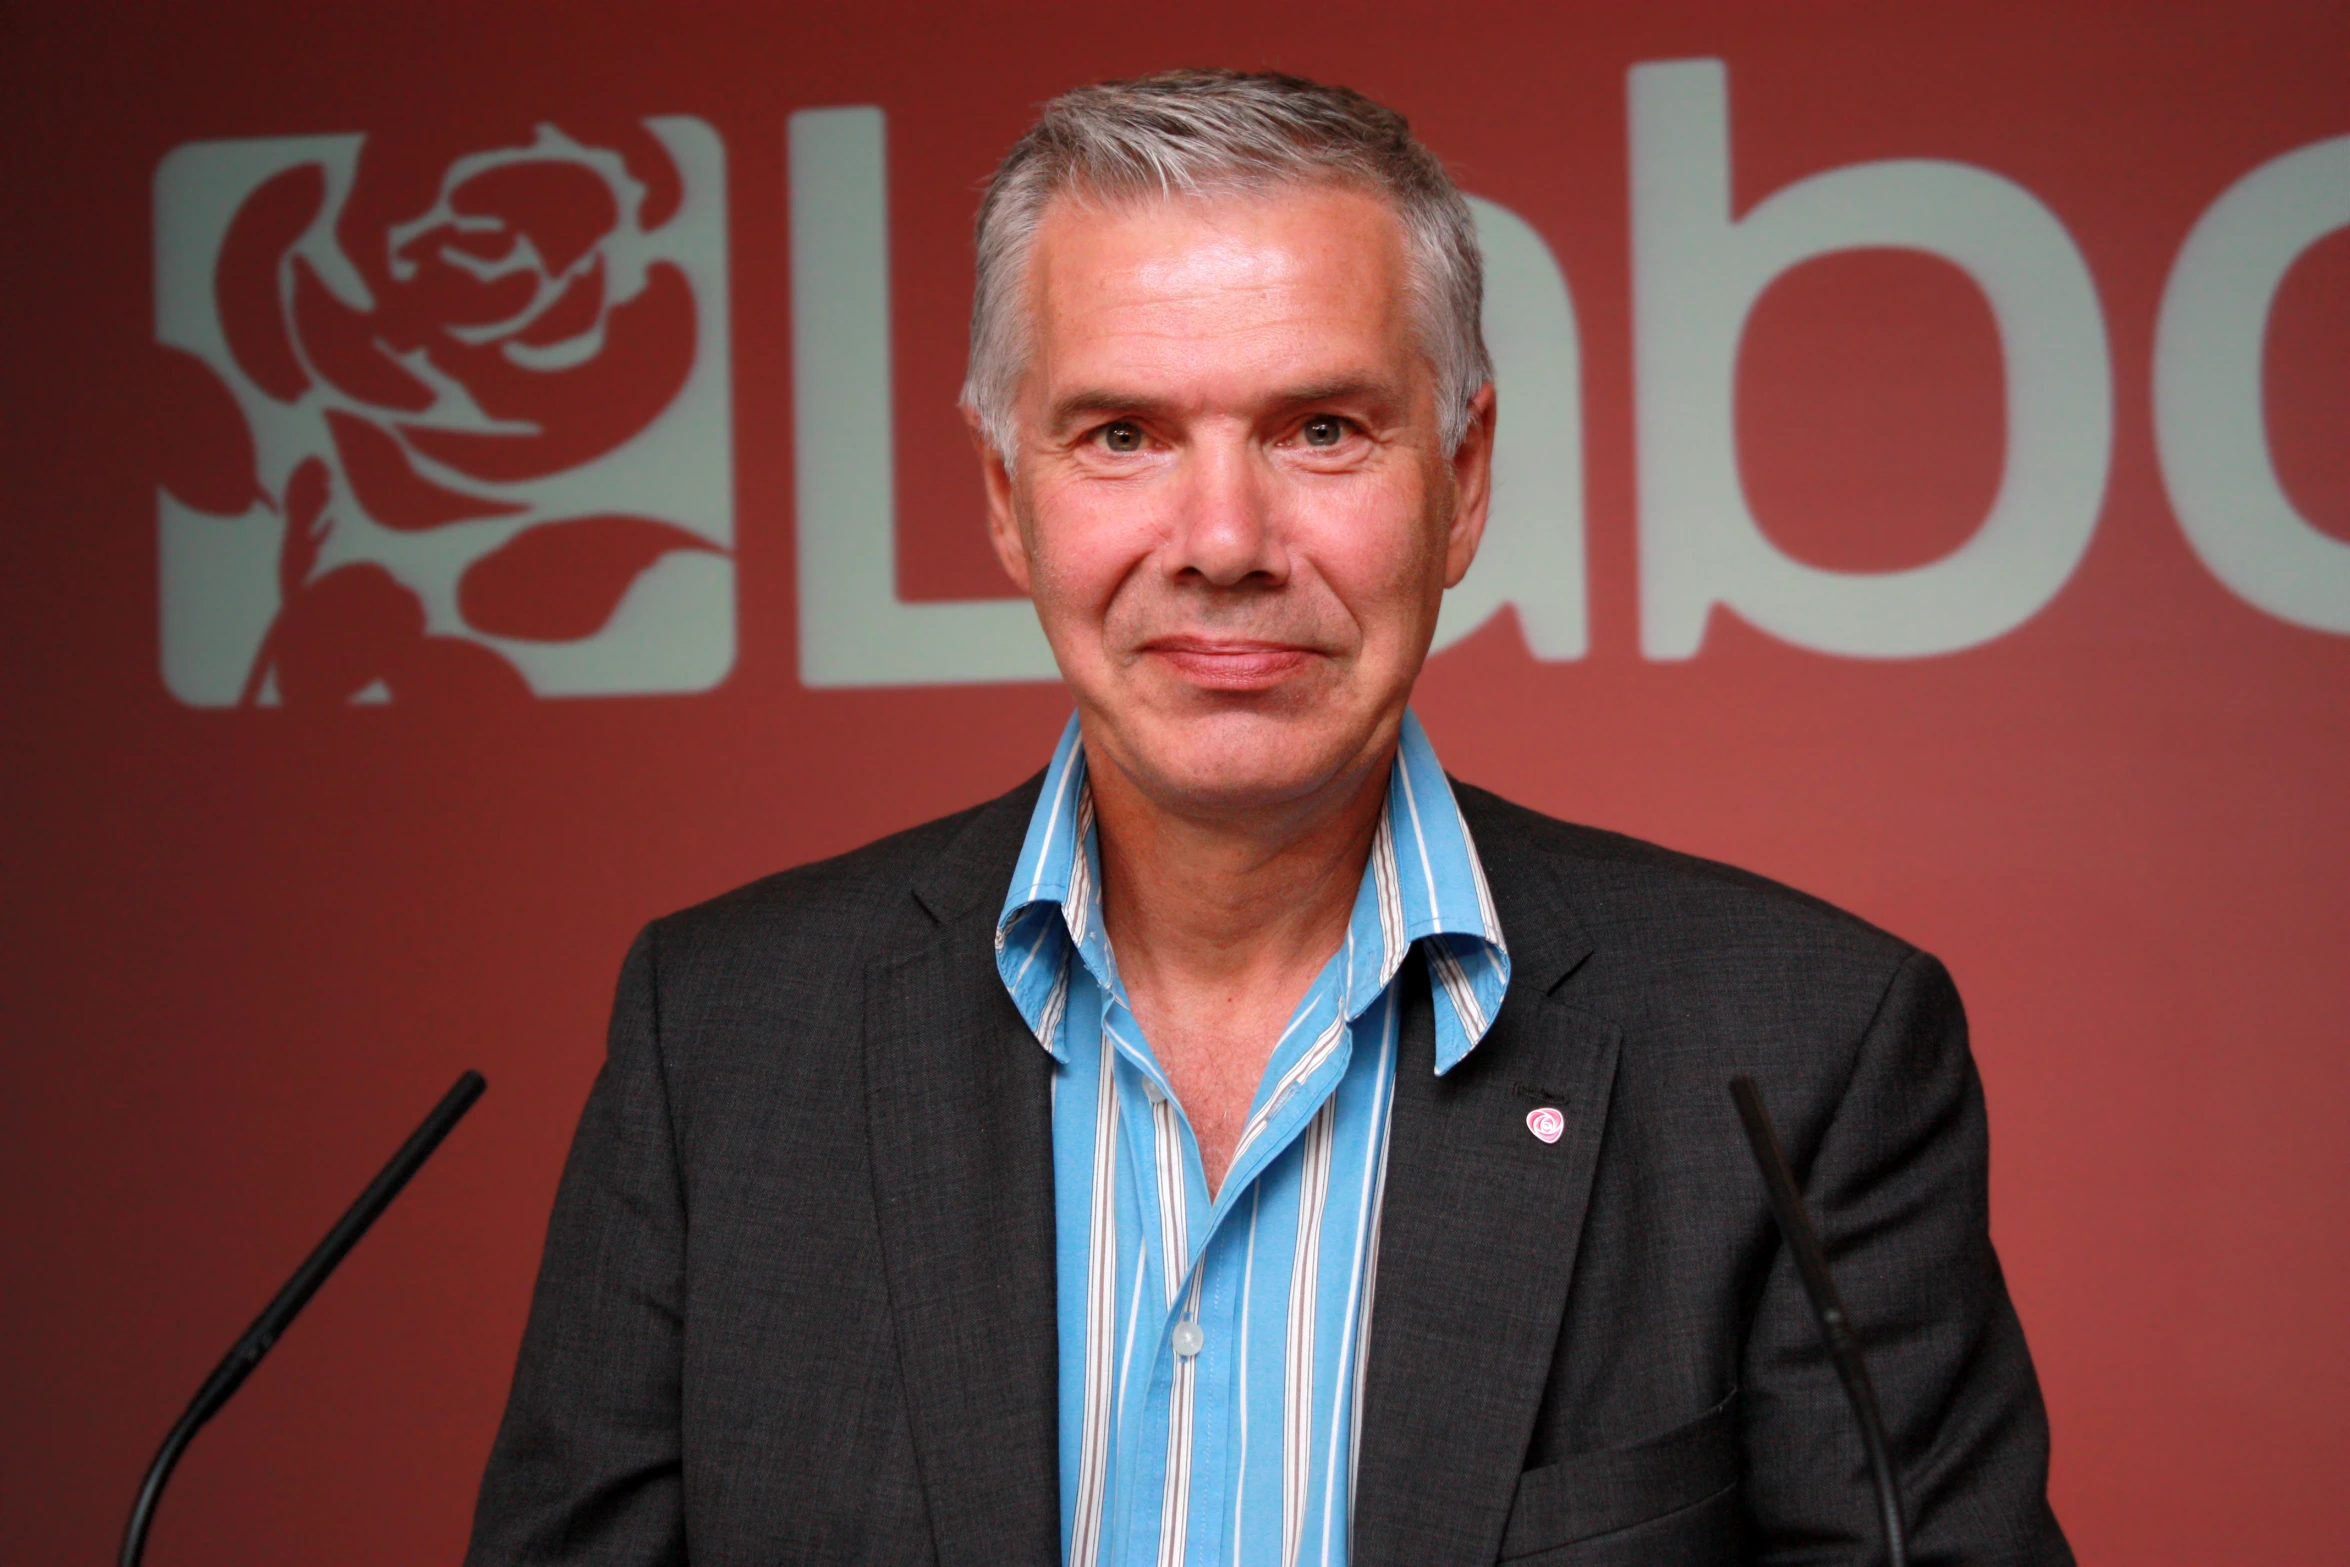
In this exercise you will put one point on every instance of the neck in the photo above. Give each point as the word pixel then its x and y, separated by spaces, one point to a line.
pixel 1233 902
pixel 1221 921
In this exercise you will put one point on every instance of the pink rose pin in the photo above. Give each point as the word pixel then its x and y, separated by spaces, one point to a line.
pixel 1546 1122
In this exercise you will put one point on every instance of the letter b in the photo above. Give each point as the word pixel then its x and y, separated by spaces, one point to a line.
pixel 1697 273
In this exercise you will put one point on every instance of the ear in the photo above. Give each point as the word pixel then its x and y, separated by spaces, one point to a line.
pixel 1003 522
pixel 1472 487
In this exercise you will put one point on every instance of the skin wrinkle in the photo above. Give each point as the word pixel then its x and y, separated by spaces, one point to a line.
pixel 1232 507
pixel 1429 294
pixel 1386 402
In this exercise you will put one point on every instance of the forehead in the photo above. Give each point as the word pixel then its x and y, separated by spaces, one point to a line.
pixel 1293 281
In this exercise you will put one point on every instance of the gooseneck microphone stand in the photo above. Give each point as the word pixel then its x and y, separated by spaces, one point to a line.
pixel 230 1374
pixel 1828 1307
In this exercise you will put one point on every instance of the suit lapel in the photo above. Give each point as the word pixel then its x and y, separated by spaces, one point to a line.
pixel 1478 1239
pixel 960 1108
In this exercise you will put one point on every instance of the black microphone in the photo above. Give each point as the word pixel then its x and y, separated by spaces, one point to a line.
pixel 1828 1308
pixel 230 1374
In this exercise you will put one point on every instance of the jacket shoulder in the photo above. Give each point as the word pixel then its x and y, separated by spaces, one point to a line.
pixel 1620 885
pixel 1710 970
pixel 831 902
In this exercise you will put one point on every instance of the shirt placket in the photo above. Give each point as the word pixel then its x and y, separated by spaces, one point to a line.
pixel 1205 1294
pixel 1148 1119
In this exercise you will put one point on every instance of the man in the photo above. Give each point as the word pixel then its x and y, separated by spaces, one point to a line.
pixel 1241 1144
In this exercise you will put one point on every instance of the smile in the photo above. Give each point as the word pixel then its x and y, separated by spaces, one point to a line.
pixel 1230 665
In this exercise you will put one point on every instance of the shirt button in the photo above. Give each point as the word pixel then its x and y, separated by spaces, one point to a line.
pixel 1150 1091
pixel 1188 1338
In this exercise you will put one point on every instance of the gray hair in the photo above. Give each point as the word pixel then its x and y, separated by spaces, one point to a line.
pixel 1207 133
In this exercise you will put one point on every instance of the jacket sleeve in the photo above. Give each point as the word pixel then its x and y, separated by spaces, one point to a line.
pixel 586 1466
pixel 1898 1186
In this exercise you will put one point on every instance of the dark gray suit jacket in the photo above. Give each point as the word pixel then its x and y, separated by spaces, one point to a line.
pixel 797 1303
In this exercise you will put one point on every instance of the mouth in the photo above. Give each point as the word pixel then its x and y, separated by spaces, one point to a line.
pixel 1229 663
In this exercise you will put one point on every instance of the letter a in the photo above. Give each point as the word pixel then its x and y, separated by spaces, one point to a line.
pixel 1532 556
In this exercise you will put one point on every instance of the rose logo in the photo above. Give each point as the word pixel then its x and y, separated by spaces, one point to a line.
pixel 434 342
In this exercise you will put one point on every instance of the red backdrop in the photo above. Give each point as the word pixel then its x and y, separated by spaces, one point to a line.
pixel 247 947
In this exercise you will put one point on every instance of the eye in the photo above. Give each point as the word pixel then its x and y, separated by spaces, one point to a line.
pixel 1324 430
pixel 1121 436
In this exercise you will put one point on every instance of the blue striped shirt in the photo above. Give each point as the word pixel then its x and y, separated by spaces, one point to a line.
pixel 1212 1354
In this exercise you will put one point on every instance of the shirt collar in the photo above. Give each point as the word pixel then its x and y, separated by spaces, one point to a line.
pixel 1424 887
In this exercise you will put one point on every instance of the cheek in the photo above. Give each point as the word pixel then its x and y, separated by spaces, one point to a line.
pixel 1383 559
pixel 1082 546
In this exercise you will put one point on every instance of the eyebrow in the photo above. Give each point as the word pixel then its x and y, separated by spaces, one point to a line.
pixel 1093 401
pixel 1081 405
pixel 1344 389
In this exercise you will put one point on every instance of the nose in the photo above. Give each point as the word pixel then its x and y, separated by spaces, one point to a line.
pixel 1225 533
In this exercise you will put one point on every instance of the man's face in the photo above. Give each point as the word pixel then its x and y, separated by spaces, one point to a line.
pixel 1230 500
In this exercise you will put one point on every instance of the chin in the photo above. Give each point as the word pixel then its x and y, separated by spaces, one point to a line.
pixel 1241 759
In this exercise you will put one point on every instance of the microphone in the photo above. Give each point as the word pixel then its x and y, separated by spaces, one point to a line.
pixel 230 1374
pixel 1828 1307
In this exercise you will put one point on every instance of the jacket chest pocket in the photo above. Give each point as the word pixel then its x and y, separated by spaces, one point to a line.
pixel 1670 1500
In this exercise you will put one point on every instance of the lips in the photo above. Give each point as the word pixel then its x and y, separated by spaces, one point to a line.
pixel 1229 665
